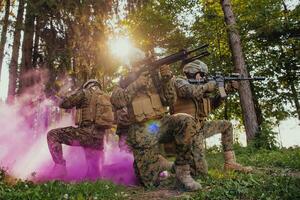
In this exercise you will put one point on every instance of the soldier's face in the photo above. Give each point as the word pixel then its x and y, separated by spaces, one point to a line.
pixel 198 76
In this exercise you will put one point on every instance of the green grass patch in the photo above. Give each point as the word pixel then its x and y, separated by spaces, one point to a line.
pixel 220 185
pixel 279 184
pixel 59 190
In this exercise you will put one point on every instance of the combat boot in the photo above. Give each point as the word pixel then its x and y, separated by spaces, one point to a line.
pixel 231 164
pixel 185 179
pixel 59 172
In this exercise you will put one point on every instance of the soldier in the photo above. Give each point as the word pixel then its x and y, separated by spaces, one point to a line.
pixel 150 126
pixel 93 116
pixel 199 101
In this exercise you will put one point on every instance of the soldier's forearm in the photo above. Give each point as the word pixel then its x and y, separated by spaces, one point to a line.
pixel 170 92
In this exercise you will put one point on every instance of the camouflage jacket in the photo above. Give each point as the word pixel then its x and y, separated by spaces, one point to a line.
pixel 124 97
pixel 196 93
pixel 76 99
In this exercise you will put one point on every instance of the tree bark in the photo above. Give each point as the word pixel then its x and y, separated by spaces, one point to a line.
pixel 26 65
pixel 13 66
pixel 246 99
pixel 3 34
pixel 35 55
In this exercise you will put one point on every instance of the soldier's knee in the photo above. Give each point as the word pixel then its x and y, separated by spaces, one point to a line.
pixel 230 126
pixel 51 135
pixel 227 124
pixel 184 119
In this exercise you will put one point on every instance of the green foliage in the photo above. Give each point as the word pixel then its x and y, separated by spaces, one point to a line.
pixel 283 158
pixel 266 138
pixel 270 180
pixel 247 186
pixel 60 190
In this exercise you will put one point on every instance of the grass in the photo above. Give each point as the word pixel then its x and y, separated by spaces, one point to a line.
pixel 59 190
pixel 272 180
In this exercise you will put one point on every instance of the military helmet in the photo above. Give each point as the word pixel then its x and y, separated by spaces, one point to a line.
pixel 195 67
pixel 90 83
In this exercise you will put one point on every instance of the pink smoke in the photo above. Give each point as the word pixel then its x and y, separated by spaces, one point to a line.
pixel 24 151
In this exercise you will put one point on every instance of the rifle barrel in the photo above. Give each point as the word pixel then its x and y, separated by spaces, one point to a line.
pixel 201 55
pixel 198 48
pixel 244 79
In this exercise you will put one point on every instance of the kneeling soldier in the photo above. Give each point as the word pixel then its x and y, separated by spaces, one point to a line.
pixel 94 115
pixel 199 101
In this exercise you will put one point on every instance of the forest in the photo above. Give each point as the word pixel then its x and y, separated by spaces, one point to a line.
pixel 51 47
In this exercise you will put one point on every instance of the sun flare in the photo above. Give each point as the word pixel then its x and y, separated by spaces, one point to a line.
pixel 121 47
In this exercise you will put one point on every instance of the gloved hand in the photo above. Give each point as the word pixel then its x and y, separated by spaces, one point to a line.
pixel 210 86
pixel 232 85
pixel 165 72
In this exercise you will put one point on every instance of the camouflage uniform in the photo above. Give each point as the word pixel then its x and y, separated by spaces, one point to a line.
pixel 88 134
pixel 151 125
pixel 122 127
pixel 199 101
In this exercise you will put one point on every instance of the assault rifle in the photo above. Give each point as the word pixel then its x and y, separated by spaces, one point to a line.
pixel 149 65
pixel 220 80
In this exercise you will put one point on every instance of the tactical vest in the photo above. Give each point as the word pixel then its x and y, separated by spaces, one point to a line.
pixel 98 109
pixel 146 105
pixel 198 109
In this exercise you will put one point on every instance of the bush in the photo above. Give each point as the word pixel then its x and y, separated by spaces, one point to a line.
pixel 266 138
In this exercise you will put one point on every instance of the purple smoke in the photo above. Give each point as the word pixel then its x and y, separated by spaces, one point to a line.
pixel 24 151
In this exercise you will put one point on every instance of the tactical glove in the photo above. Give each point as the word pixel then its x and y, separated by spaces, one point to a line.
pixel 210 86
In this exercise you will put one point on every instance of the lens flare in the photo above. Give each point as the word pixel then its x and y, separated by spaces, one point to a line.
pixel 153 127
pixel 121 47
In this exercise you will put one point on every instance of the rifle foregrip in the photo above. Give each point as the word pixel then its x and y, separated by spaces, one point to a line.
pixel 222 91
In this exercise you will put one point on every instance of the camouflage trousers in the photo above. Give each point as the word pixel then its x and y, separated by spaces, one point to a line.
pixel 89 137
pixel 144 140
pixel 122 132
pixel 208 129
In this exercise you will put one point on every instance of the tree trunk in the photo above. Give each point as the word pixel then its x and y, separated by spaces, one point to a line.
pixel 26 65
pixel 15 54
pixel 37 34
pixel 258 111
pixel 246 99
pixel 3 34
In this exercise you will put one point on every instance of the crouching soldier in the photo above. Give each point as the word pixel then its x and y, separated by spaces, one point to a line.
pixel 199 101
pixel 93 117
pixel 151 125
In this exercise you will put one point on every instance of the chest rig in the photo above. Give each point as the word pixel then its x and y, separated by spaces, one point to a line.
pixel 96 108
pixel 146 105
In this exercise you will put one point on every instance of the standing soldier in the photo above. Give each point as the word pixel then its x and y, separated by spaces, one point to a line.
pixel 199 101
pixel 150 125
pixel 93 116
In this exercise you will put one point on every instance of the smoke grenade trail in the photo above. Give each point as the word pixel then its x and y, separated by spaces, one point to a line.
pixel 24 151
